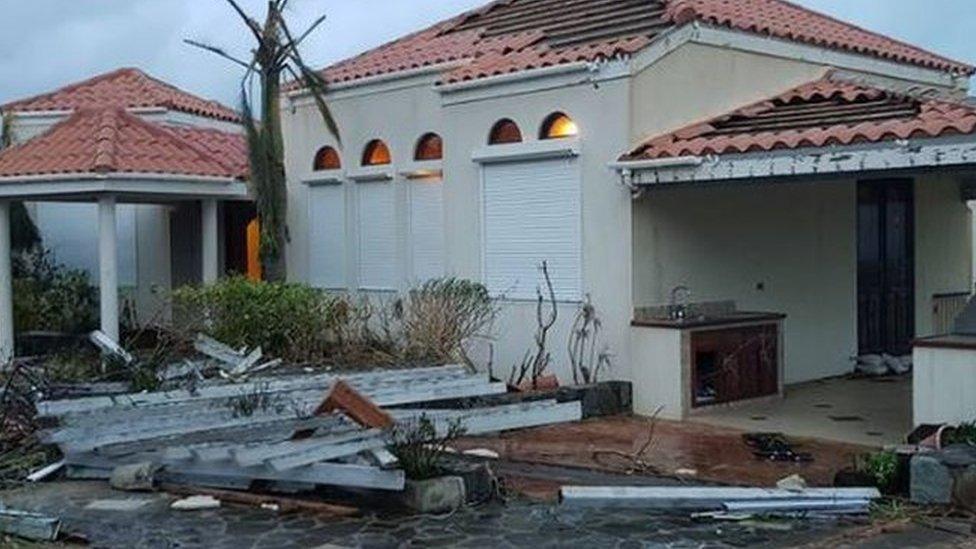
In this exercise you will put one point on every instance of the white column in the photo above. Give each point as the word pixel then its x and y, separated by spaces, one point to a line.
pixel 209 233
pixel 972 217
pixel 6 287
pixel 108 267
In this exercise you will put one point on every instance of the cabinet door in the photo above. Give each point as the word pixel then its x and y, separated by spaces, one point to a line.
pixel 734 364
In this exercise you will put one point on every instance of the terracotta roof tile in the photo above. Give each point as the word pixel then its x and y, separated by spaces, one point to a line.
pixel 789 21
pixel 826 112
pixel 513 35
pixel 128 88
pixel 111 140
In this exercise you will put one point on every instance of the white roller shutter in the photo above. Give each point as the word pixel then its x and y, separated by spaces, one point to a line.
pixel 532 214
pixel 327 236
pixel 377 236
pixel 427 229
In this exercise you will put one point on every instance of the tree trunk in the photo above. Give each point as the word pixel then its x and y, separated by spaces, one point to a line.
pixel 273 205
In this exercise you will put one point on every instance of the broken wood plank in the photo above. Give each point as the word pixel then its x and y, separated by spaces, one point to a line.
pixel 362 410
pixel 257 454
pixel 328 474
pixel 30 526
pixel 282 504
pixel 325 453
pixel 699 498
pixel 223 389
pixel 110 347
pixel 218 350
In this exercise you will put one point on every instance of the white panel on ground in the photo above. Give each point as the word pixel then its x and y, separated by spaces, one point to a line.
pixel 427 229
pixel 532 214
pixel 377 236
pixel 70 232
pixel 327 236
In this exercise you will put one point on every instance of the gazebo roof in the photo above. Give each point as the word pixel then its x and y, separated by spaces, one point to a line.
pixel 111 140
pixel 127 87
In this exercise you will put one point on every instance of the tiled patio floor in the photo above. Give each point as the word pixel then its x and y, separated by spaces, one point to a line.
pixel 870 412
pixel 715 454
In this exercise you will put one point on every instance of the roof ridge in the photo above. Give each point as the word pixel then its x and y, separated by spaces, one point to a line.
pixel 876 34
pixel 70 86
pixel 106 136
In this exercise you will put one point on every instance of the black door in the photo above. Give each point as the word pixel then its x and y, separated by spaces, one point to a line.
pixel 885 266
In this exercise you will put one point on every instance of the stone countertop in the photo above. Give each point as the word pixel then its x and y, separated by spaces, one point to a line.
pixel 729 319
pixel 951 341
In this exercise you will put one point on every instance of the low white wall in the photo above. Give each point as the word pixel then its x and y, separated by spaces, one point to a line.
pixel 944 389
pixel 788 248
pixel 660 383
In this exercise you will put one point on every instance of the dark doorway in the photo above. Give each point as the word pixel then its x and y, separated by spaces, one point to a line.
pixel 885 266
pixel 238 249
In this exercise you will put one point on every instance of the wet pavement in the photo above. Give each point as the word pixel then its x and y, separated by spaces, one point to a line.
pixel 713 454
pixel 145 521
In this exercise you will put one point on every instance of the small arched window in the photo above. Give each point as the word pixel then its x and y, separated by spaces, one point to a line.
pixel 327 159
pixel 558 126
pixel 377 154
pixel 430 147
pixel 505 131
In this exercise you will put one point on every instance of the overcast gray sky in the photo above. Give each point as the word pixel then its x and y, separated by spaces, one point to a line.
pixel 47 43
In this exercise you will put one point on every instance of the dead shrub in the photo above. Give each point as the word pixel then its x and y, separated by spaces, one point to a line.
pixel 441 315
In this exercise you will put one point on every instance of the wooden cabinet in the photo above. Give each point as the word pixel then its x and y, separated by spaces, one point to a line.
pixel 737 363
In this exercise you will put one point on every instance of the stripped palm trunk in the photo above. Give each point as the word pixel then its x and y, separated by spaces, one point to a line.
pixel 276 56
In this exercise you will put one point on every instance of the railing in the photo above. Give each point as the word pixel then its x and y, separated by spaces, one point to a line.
pixel 945 309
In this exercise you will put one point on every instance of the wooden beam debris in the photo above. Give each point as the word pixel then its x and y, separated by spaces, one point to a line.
pixel 30 526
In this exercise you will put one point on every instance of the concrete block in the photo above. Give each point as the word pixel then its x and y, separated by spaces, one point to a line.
pixel 437 495
pixel 964 491
pixel 931 481
pixel 138 477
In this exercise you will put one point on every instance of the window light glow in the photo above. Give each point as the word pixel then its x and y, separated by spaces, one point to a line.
pixel 377 154
pixel 559 126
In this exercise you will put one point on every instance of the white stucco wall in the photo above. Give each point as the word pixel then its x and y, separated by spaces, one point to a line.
pixel 943 245
pixel 697 82
pixel 788 248
pixel 944 388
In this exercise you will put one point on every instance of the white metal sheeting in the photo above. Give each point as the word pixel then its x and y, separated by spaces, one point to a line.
pixel 702 498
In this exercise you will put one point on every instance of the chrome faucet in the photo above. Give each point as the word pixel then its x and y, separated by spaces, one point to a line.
pixel 678 306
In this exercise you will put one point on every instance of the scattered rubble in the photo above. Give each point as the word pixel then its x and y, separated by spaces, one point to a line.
pixel 288 433
pixel 30 526
pixel 195 503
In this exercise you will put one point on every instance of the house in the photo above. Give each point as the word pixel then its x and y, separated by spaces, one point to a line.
pixel 172 162
pixel 803 176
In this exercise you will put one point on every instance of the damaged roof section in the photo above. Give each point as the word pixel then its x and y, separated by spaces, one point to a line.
pixel 112 140
pixel 509 36
pixel 828 112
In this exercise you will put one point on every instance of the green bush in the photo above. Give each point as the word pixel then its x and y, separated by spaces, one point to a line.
pixel 50 297
pixel 294 322
pixel 882 466
pixel 964 433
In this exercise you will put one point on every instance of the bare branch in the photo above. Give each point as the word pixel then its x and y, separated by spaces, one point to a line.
pixel 251 23
pixel 217 51
pixel 293 45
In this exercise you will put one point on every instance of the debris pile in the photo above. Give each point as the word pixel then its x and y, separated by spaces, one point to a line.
pixel 290 433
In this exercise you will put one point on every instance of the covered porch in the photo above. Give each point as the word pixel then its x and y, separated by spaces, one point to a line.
pixel 835 219
pixel 111 157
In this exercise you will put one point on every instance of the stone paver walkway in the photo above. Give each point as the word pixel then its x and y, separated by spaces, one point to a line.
pixel 149 523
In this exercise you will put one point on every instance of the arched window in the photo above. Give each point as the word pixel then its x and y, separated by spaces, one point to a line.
pixel 558 126
pixel 327 159
pixel 430 147
pixel 505 131
pixel 377 154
